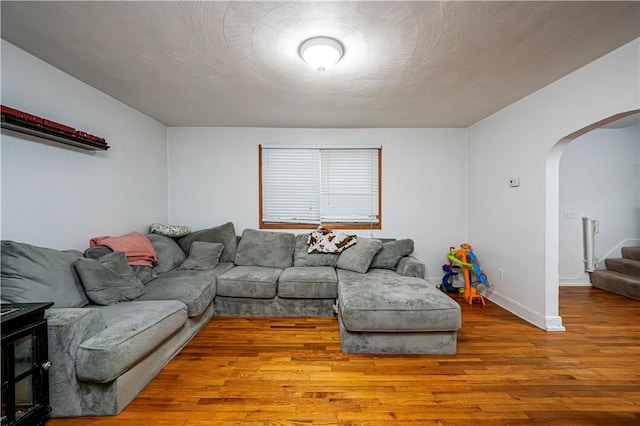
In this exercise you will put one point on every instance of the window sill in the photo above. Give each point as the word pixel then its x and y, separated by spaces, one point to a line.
pixel 271 225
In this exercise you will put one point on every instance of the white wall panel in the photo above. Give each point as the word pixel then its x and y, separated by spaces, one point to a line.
pixel 213 178
pixel 59 197
pixel 516 229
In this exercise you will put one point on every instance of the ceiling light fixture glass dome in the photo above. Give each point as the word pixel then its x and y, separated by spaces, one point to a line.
pixel 321 52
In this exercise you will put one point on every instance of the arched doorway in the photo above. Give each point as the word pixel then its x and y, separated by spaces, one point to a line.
pixel 552 210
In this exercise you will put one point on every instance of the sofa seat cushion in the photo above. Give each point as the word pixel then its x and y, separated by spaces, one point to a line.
pixel 134 329
pixel 308 282
pixel 194 288
pixel 383 301
pixel 257 282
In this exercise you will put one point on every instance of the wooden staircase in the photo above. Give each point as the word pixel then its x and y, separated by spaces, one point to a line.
pixel 622 275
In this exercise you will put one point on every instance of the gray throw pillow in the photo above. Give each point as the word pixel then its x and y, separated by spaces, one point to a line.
pixel 265 248
pixel 224 234
pixel 97 252
pixel 203 256
pixel 143 272
pixel 391 253
pixel 39 274
pixel 110 279
pixel 359 257
pixel 170 255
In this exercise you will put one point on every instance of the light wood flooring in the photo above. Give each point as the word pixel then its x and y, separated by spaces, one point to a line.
pixel 274 371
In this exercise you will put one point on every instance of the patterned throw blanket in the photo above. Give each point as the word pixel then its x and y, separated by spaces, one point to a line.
pixel 323 240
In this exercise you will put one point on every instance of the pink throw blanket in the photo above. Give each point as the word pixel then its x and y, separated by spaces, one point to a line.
pixel 136 246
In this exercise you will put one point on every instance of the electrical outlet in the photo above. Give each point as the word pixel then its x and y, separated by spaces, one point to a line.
pixel 500 273
pixel 514 182
pixel 569 214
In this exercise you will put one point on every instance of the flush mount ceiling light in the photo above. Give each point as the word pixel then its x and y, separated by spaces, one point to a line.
pixel 321 52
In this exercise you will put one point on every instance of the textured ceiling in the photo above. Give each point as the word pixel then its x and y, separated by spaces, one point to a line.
pixel 406 64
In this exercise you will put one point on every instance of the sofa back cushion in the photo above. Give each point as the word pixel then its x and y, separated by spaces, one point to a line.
pixel 301 256
pixel 264 248
pixel 203 256
pixel 224 234
pixel 37 274
pixel 170 255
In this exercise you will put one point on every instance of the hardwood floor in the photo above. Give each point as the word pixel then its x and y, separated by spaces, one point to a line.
pixel 507 372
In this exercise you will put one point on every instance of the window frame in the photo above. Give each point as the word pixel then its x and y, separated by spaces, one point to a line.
pixel 332 225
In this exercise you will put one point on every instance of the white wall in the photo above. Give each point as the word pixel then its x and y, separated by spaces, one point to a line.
pixel 516 229
pixel 60 197
pixel 213 178
pixel 599 178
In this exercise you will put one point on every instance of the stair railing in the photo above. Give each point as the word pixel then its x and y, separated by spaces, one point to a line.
pixel 631 242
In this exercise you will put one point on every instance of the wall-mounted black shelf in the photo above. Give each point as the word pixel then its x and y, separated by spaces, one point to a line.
pixel 40 131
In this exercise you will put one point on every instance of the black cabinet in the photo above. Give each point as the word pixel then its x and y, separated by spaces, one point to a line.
pixel 25 364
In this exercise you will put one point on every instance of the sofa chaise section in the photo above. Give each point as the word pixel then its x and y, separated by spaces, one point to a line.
pixel 384 312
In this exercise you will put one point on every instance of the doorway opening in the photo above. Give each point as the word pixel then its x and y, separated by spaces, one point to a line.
pixel 553 213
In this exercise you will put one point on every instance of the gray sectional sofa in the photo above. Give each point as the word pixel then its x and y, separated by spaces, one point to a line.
pixel 113 327
pixel 104 355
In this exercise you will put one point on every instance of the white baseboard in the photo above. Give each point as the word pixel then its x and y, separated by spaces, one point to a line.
pixel 572 282
pixel 548 323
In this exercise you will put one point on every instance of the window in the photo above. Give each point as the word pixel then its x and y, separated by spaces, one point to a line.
pixel 304 187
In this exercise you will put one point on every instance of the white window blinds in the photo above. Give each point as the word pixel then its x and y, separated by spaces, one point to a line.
pixel 290 182
pixel 349 185
pixel 320 185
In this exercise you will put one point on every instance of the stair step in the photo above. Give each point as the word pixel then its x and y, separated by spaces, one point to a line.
pixel 618 283
pixel 624 266
pixel 631 253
